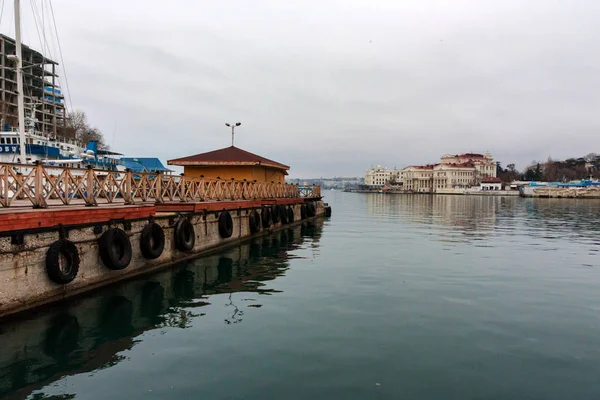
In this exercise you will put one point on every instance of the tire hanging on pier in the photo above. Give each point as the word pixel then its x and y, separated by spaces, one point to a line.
pixel 225 224
pixel 283 215
pixel 62 261
pixel 254 221
pixel 266 217
pixel 115 249
pixel 185 237
pixel 275 214
pixel 311 209
pixel 152 241
pixel 302 211
pixel 290 212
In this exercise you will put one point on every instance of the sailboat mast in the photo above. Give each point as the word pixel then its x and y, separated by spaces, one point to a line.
pixel 20 94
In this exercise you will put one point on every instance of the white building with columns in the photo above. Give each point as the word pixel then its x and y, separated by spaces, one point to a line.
pixel 453 171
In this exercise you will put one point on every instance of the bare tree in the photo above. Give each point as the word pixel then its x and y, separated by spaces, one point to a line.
pixel 79 128
pixel 551 170
pixel 591 157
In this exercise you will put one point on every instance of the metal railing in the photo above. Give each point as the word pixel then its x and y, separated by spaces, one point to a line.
pixel 309 191
pixel 42 185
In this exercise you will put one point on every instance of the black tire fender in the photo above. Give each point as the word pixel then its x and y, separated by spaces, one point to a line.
pixel 283 214
pixel 266 217
pixel 62 261
pixel 275 214
pixel 290 213
pixel 254 221
pixel 152 241
pixel 302 211
pixel 115 249
pixel 225 224
pixel 185 237
pixel 311 209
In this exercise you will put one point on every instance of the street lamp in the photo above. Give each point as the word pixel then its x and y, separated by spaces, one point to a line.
pixel 232 130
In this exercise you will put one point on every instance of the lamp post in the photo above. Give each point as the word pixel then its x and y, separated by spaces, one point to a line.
pixel 232 130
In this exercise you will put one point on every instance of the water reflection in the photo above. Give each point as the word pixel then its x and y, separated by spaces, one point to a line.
pixel 454 210
pixel 463 217
pixel 89 333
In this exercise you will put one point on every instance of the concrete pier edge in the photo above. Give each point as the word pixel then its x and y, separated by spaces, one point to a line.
pixel 24 284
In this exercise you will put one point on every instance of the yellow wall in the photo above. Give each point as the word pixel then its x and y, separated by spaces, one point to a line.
pixel 263 174
pixel 226 172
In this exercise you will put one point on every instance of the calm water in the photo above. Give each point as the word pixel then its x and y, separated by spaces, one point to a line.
pixel 412 297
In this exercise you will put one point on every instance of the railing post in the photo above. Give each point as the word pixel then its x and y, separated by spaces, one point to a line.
pixel 20 179
pixel 218 189
pixel 127 190
pixel 182 184
pixel 90 199
pixel 39 201
pixel 158 187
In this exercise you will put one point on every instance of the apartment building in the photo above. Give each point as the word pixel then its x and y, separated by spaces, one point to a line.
pixel 44 102
pixel 379 176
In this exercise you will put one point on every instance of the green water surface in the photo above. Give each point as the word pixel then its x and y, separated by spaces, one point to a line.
pixel 394 297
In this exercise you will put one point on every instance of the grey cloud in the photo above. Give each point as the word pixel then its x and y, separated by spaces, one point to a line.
pixel 332 87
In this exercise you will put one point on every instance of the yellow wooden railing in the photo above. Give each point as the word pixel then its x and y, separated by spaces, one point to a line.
pixel 42 185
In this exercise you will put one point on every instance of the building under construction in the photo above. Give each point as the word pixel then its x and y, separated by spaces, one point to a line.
pixel 44 102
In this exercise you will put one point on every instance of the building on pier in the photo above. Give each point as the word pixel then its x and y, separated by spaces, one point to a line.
pixel 232 163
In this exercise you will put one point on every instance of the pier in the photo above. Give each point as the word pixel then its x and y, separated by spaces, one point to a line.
pixel 65 231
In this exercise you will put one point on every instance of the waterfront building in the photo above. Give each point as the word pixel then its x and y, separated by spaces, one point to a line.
pixel 379 176
pixel 417 178
pixel 232 163
pixel 453 171
pixel 483 164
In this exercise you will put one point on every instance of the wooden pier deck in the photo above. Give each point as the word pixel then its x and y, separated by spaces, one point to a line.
pixel 21 217
pixel 27 218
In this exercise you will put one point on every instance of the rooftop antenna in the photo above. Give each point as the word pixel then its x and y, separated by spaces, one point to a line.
pixel 233 129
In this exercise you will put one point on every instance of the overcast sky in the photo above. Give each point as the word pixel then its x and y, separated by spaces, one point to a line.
pixel 333 87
